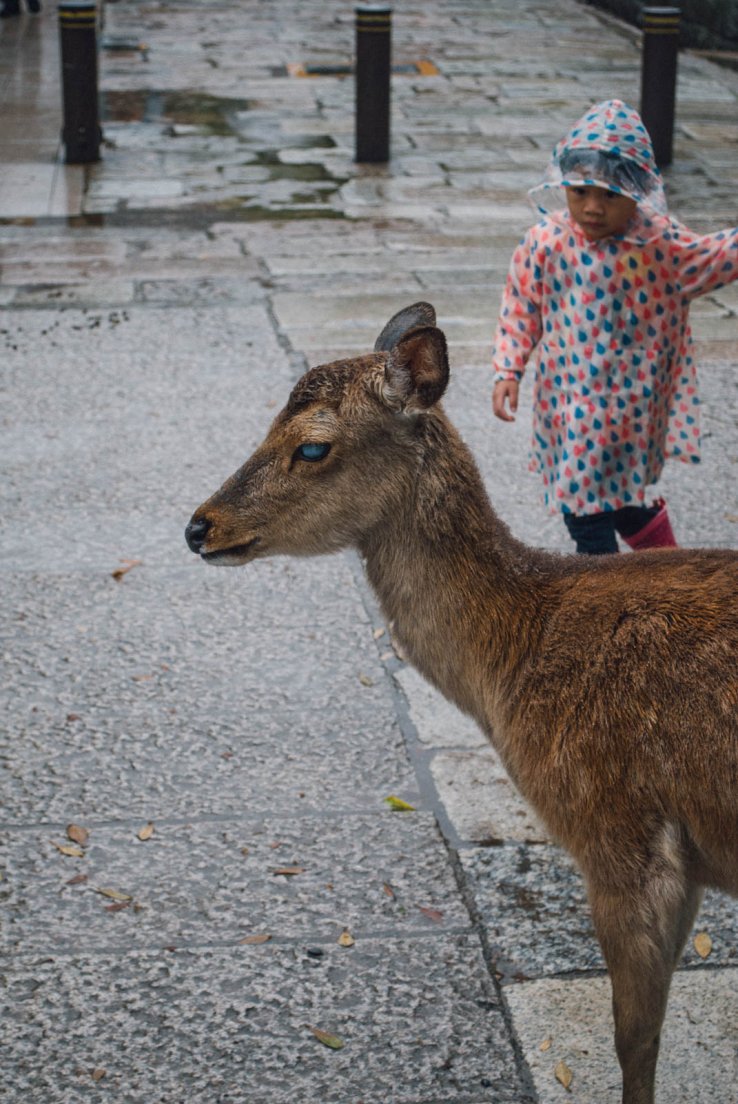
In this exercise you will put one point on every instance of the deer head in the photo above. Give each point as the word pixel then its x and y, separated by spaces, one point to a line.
pixel 348 434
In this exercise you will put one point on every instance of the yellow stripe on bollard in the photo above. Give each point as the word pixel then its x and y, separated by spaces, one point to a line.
pixel 366 22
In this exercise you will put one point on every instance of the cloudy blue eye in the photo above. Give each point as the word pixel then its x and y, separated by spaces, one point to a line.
pixel 310 451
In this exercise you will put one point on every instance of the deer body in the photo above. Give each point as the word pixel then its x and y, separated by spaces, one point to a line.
pixel 608 685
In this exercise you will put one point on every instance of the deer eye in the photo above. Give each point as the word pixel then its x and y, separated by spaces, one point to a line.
pixel 311 452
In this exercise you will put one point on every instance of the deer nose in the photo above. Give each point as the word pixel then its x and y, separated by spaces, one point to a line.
pixel 195 534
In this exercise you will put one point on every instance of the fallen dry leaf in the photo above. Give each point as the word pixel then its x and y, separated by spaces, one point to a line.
pixel 563 1074
pixel 113 893
pixel 433 914
pixel 256 939
pixel 365 680
pixel 378 632
pixel 290 871
pixel 77 834
pixel 118 907
pixel 546 1044
pixel 127 566
pixel 97 1074
pixel 389 890
pixel 69 849
pixel 346 939
pixel 702 944
pixel 326 1038
pixel 78 879
pixel 146 832
pixel 398 805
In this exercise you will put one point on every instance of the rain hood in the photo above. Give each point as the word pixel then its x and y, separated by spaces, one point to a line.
pixel 608 147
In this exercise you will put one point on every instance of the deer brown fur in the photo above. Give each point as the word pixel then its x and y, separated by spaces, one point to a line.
pixel 607 684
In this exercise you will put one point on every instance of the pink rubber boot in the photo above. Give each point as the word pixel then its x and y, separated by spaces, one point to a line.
pixel 656 533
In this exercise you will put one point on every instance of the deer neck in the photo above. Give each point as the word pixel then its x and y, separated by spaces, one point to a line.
pixel 451 578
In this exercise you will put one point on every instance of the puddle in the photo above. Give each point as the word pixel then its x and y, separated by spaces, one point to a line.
pixel 300 174
pixel 189 218
pixel 209 113
pixel 280 214
pixel 287 190
pixel 307 172
pixel 218 116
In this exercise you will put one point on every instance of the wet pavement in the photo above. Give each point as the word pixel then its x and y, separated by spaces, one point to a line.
pixel 156 308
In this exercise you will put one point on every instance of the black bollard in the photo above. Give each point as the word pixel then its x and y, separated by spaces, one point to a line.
pixel 78 41
pixel 658 78
pixel 373 48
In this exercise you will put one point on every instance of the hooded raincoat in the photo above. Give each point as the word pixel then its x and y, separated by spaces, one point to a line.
pixel 606 322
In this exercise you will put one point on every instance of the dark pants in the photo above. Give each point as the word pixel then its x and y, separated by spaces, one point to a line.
pixel 595 533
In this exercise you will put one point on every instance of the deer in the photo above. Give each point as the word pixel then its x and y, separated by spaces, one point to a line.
pixel 607 684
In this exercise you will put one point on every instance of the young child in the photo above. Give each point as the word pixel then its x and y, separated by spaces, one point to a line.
pixel 599 292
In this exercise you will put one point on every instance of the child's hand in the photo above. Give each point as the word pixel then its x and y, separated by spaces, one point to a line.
pixel 505 393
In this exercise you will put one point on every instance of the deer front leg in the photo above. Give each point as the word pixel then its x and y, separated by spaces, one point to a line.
pixel 642 933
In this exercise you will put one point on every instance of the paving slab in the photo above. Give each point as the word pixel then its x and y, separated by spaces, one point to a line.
pixel 419 1022
pixel 195 692
pixel 69 293
pixel 480 800
pixel 215 881
pixel 437 722
pixel 125 425
pixel 57 190
pixel 537 919
pixel 571 1022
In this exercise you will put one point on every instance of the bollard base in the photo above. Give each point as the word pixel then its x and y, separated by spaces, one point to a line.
pixel 82 155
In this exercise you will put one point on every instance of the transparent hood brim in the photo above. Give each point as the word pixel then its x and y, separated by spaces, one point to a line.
pixel 550 195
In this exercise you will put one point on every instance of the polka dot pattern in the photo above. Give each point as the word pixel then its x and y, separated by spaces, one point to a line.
pixel 614 129
pixel 606 324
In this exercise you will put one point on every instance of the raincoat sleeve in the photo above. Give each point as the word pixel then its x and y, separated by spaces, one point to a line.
pixel 705 262
pixel 519 323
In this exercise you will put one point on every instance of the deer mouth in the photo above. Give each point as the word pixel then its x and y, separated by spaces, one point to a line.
pixel 234 556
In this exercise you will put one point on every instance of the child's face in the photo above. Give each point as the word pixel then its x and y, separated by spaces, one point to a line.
pixel 599 213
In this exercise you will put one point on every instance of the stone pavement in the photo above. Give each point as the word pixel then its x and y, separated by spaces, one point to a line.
pixel 157 307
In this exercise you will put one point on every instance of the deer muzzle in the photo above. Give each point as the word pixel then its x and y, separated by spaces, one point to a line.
pixel 230 555
pixel 195 534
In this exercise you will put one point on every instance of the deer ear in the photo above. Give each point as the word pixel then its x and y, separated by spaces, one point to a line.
pixel 419 314
pixel 416 372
